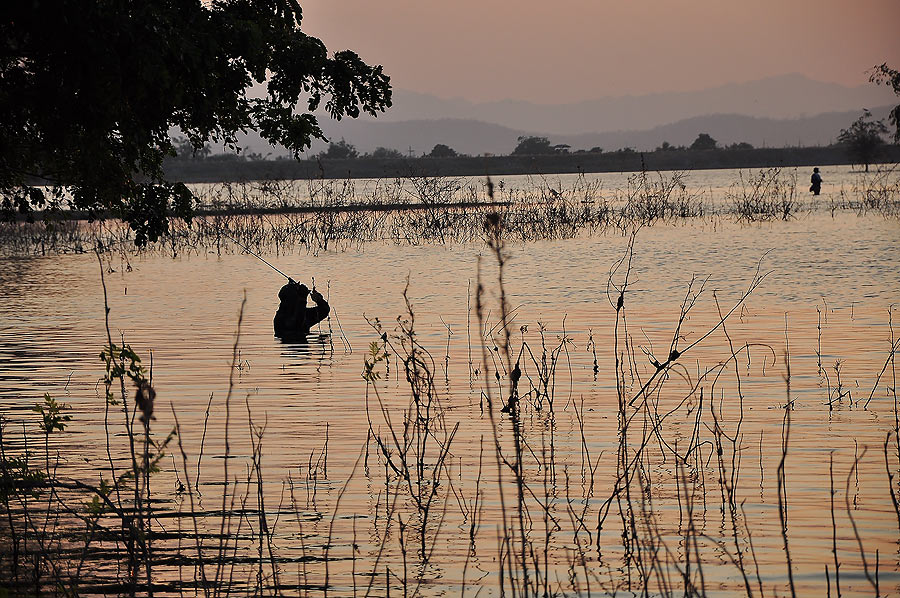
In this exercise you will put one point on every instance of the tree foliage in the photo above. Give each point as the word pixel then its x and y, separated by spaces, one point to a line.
pixel 442 151
pixel 386 153
pixel 340 151
pixel 531 145
pixel 885 75
pixel 863 138
pixel 704 142
pixel 90 89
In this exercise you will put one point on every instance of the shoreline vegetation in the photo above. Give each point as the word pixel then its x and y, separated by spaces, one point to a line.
pixel 234 168
pixel 320 214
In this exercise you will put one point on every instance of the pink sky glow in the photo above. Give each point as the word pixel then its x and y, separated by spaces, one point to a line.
pixel 567 50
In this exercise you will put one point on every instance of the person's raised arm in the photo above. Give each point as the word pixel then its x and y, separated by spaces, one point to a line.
pixel 318 298
pixel 320 311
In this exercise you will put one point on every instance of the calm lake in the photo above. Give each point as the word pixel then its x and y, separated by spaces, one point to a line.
pixel 339 513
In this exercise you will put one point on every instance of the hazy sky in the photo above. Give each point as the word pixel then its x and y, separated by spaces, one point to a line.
pixel 566 50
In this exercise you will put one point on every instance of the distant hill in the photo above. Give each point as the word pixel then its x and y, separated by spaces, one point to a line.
pixel 465 136
pixel 783 97
pixel 785 110
pixel 822 129
pixel 473 137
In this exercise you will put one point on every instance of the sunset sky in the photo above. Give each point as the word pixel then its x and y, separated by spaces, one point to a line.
pixel 566 51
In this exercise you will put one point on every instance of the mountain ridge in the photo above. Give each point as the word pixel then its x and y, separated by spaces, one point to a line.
pixel 782 97
pixel 801 110
pixel 477 137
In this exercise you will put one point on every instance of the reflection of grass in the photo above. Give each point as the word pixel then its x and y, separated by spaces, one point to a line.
pixel 288 216
pixel 551 511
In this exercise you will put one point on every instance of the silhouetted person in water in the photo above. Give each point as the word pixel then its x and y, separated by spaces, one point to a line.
pixel 816 180
pixel 293 319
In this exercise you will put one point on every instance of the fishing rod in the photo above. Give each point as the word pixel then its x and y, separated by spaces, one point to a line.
pixel 256 255
pixel 260 258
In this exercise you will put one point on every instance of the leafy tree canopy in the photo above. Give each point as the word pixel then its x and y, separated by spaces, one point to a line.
pixel 863 138
pixel 885 75
pixel 533 146
pixel 89 90
pixel 386 152
pixel 442 151
pixel 704 142
pixel 340 151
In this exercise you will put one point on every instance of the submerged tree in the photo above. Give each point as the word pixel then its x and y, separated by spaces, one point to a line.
pixel 90 89
pixel 863 139
pixel 885 75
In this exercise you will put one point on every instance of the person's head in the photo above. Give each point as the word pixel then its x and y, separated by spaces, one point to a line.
pixel 286 292
pixel 816 169
pixel 292 290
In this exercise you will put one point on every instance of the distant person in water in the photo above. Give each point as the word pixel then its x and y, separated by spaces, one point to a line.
pixel 293 319
pixel 816 180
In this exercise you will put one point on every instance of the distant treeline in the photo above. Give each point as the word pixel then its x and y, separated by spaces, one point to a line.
pixel 222 168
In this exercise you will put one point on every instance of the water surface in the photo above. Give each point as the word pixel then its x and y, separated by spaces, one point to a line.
pixel 827 298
